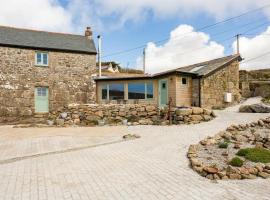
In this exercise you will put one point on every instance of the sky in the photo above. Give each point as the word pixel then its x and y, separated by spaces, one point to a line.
pixel 171 31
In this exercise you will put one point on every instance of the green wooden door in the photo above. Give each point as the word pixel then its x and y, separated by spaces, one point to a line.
pixel 163 92
pixel 41 99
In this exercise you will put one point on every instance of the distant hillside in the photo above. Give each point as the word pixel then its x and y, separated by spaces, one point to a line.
pixel 120 69
pixel 261 74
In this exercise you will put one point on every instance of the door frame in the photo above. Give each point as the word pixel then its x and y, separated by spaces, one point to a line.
pixel 159 91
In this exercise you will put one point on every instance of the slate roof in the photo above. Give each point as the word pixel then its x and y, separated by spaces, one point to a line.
pixel 200 69
pixel 208 67
pixel 25 38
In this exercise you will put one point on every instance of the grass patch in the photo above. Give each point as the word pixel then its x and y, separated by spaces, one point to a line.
pixel 255 154
pixel 266 100
pixel 223 145
pixel 236 162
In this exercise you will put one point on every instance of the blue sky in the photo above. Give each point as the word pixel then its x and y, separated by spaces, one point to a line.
pixel 127 24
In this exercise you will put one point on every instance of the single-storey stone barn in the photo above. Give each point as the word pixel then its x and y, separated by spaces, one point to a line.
pixel 43 71
pixel 214 83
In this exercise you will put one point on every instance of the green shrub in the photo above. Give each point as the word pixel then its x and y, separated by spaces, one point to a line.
pixel 242 152
pixel 223 145
pixel 236 162
pixel 266 100
pixel 255 154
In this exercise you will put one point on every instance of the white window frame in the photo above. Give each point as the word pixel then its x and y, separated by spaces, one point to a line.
pixel 42 61
pixel 182 81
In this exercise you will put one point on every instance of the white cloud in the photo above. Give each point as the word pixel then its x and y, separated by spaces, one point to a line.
pixel 42 14
pixel 111 14
pixel 185 46
pixel 255 47
pixel 135 10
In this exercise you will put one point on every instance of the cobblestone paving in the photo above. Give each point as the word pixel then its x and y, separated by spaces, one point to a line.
pixel 152 167
pixel 25 142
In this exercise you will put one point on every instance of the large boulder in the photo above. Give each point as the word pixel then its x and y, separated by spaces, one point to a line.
pixel 183 111
pixel 197 110
pixel 255 108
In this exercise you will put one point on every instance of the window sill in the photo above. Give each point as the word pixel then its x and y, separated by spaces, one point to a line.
pixel 41 65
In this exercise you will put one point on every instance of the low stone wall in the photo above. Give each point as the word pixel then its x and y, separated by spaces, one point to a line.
pixel 127 114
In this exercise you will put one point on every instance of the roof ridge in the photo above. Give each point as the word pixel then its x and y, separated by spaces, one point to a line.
pixel 34 30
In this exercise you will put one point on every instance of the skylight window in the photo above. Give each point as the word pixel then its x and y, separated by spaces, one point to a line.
pixel 195 69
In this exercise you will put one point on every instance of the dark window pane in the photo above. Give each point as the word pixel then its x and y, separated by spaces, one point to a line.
pixel 136 91
pixel 150 93
pixel 163 85
pixel 184 81
pixel 116 91
pixel 104 92
pixel 38 58
pixel 45 59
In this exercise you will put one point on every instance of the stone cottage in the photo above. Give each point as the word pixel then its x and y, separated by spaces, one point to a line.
pixel 43 71
pixel 213 83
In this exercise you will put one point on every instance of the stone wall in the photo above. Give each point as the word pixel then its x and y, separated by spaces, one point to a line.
pixel 214 87
pixel 131 114
pixel 68 78
pixel 255 83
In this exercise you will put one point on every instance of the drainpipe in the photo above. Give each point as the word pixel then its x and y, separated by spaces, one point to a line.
pixel 99 55
pixel 200 103
pixel 144 63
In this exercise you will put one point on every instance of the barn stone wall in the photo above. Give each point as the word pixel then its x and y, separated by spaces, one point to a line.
pixel 68 78
pixel 214 87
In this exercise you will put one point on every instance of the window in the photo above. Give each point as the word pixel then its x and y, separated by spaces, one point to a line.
pixel 163 85
pixel 149 91
pixel 136 91
pixel 42 91
pixel 116 91
pixel 140 90
pixel 184 81
pixel 42 59
pixel 104 92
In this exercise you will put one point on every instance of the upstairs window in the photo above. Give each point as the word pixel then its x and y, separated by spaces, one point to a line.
pixel 184 81
pixel 42 59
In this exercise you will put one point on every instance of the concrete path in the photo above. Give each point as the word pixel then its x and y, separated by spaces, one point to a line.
pixel 152 167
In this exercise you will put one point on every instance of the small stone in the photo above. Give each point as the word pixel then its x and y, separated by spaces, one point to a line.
pixel 211 170
pixel 259 167
pixel 225 178
pixel 196 118
pixel 261 123
pixel 198 169
pixel 63 115
pixel 210 176
pixel 235 176
pixel 192 149
pixel 197 110
pixel 248 176
pixel 60 122
pixel 183 112
pixel 77 121
pixel 264 175
pixel 195 162
pixel 267 166
pixel 225 153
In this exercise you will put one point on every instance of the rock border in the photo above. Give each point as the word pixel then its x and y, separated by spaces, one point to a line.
pixel 214 172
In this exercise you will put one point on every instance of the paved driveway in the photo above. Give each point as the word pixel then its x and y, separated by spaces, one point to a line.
pixel 152 167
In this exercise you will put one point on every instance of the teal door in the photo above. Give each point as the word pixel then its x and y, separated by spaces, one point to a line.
pixel 163 92
pixel 41 99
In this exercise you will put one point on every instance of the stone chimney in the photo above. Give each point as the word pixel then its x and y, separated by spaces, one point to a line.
pixel 88 32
